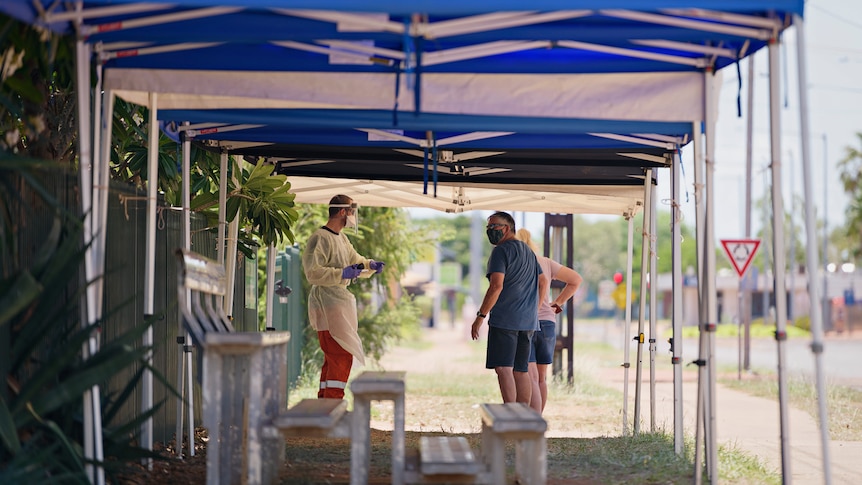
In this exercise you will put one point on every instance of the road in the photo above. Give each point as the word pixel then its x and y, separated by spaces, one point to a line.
pixel 841 358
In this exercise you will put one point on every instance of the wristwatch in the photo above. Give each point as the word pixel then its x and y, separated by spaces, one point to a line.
pixel 480 314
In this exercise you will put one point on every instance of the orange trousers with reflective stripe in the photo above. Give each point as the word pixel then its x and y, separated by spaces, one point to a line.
pixel 336 367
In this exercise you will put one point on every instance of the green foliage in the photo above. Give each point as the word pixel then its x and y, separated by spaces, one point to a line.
pixel 850 169
pixel 36 92
pixel 599 246
pixel 793 231
pixel 41 339
pixel 803 323
pixel 664 263
pixel 261 200
pixel 265 201
pixel 130 151
pixel 380 327
pixel 454 235
pixel 758 330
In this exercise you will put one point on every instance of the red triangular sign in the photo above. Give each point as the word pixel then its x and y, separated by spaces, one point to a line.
pixel 740 252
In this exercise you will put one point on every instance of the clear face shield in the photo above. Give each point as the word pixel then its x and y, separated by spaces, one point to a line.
pixel 352 214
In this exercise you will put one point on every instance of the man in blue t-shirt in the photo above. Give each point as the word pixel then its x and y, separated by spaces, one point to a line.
pixel 516 284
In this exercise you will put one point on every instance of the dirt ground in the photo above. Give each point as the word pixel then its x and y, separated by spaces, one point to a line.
pixel 316 460
pixel 747 421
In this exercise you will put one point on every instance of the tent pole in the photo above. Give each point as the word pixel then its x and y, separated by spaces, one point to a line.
pixel 150 259
pixel 91 399
pixel 230 260
pixel 813 265
pixel 182 341
pixel 778 253
pixel 749 157
pixel 642 312
pixel 96 201
pixel 187 245
pixel 222 207
pixel 104 189
pixel 700 437
pixel 709 266
pixel 628 321
pixel 270 284
pixel 700 429
pixel 86 183
pixel 653 297
pixel 676 320
pixel 105 178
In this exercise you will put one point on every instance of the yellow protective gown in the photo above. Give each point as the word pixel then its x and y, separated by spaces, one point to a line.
pixel 330 306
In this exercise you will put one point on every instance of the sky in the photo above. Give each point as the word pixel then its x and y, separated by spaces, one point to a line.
pixel 833 36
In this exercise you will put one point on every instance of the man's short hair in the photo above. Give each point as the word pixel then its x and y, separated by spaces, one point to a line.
pixel 506 217
pixel 339 199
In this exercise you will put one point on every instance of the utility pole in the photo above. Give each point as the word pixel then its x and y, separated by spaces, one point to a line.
pixel 827 320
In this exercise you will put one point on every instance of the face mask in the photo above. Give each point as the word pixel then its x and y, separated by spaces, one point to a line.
pixel 351 220
pixel 494 235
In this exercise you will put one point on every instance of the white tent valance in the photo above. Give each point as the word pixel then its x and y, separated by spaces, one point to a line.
pixel 657 96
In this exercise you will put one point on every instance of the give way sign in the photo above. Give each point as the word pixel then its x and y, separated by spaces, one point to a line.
pixel 740 252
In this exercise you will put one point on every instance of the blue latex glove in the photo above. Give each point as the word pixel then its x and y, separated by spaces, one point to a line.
pixel 377 266
pixel 351 272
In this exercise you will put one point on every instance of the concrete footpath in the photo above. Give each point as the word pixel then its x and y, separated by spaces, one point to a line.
pixel 746 422
pixel 750 423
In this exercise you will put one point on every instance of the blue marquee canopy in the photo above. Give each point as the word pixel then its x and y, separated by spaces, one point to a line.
pixel 273 76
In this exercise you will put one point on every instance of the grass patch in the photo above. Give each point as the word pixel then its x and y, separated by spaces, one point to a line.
pixel 445 402
pixel 756 331
pixel 645 458
pixel 415 343
pixel 843 404
pixel 738 466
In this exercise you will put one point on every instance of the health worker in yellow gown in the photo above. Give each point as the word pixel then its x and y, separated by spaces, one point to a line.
pixel 331 264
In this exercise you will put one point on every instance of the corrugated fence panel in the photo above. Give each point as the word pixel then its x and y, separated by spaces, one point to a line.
pixel 31 221
pixel 124 293
pixel 124 284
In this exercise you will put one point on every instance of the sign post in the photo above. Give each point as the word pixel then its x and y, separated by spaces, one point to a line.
pixel 740 252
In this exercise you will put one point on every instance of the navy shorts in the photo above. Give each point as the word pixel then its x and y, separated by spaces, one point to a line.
pixel 508 348
pixel 544 341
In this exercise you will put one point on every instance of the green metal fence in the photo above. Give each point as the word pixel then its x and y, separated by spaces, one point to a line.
pixel 290 315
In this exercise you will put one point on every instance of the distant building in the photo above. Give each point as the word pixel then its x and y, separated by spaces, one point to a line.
pixel 840 291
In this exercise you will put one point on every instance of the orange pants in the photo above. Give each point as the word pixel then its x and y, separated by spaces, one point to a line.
pixel 336 367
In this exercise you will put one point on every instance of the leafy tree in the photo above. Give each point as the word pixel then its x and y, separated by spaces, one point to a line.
pixel 597 249
pixel 599 246
pixel 264 201
pixel 37 92
pixel 39 120
pixel 794 232
pixel 664 259
pixel 850 169
pixel 454 237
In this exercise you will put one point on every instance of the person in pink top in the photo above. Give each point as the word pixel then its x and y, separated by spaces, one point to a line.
pixel 544 340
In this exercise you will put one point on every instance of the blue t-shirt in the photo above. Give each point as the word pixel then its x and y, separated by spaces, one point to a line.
pixel 517 306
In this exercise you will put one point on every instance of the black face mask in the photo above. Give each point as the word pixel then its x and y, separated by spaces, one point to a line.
pixel 494 235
